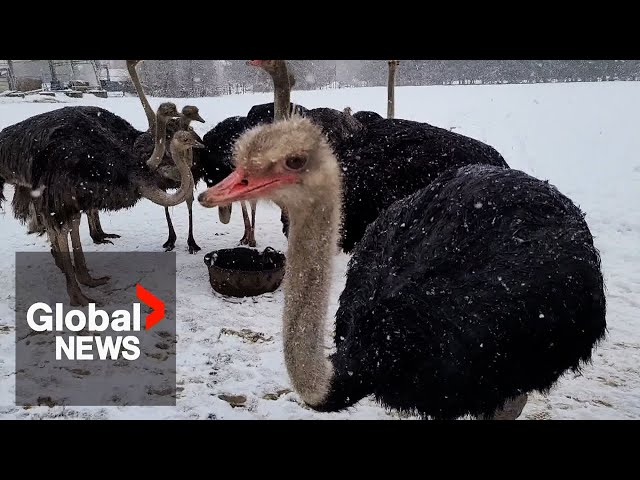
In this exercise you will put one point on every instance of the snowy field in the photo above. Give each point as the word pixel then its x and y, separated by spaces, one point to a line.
pixel 581 137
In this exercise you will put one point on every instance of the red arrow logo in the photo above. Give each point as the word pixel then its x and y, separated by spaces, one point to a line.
pixel 157 306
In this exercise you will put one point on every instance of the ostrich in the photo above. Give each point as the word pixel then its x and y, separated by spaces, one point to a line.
pixel 217 165
pixel 338 127
pixel 79 164
pixel 144 146
pixel 219 143
pixel 169 176
pixel 461 298
pixel 411 153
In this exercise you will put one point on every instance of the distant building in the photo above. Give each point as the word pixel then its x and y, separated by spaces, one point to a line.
pixel 4 76
pixel 33 74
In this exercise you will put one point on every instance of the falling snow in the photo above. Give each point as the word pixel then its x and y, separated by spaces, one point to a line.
pixel 557 140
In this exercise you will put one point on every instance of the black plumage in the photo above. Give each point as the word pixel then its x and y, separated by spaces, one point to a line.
pixel 366 117
pixel 393 158
pixel 478 288
pixel 73 159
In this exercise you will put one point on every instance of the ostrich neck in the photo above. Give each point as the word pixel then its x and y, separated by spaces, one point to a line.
pixel 391 91
pixel 183 123
pixel 160 145
pixel 312 246
pixel 156 195
pixel 151 117
pixel 282 95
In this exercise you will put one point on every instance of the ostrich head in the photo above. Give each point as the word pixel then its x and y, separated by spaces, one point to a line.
pixel 183 140
pixel 286 161
pixel 192 114
pixel 168 110
pixel 277 69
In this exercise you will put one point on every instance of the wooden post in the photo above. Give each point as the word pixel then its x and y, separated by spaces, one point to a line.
pixel 393 65
pixel 12 76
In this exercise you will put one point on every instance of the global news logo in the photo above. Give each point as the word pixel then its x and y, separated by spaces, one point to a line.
pixel 41 317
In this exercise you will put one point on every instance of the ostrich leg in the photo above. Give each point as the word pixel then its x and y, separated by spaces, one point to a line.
pixel 252 236
pixel 95 229
pixel 511 410
pixel 224 213
pixel 55 249
pixel 246 239
pixel 35 225
pixel 60 244
pixel 82 272
pixel 170 244
pixel 193 246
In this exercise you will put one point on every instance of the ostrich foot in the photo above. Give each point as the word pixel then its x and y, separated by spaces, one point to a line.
pixel 38 230
pixel 193 246
pixel 92 282
pixel 247 241
pixel 102 238
pixel 248 238
pixel 170 244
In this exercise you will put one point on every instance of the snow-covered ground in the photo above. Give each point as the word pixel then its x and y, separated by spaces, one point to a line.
pixel 581 137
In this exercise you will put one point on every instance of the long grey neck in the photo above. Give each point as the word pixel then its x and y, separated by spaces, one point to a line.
pixel 156 195
pixel 391 84
pixel 148 111
pixel 282 83
pixel 160 145
pixel 312 247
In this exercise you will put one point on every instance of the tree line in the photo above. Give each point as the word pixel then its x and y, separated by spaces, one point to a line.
pixel 193 78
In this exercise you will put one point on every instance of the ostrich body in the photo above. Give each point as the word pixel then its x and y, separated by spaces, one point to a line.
pixel 460 299
pixel 392 158
pixel 366 117
pixel 82 159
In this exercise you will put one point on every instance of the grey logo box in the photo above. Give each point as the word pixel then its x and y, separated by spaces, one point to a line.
pixel 149 380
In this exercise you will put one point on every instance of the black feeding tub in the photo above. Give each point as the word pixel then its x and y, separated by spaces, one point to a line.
pixel 244 272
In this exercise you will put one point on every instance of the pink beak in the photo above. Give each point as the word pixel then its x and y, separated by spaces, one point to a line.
pixel 238 186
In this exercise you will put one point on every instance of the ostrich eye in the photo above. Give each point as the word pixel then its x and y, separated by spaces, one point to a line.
pixel 295 162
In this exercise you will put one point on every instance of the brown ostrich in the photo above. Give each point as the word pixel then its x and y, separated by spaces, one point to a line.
pixel 160 160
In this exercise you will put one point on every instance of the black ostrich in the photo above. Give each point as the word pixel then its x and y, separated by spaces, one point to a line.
pixel 81 159
pixel 216 164
pixel 387 159
pixel 220 140
pixel 170 177
pixel 393 158
pixel 460 299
